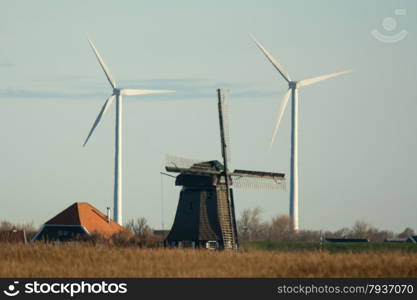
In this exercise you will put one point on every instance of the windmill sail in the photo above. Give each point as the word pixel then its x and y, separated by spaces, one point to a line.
pixel 245 179
pixel 223 106
pixel 229 237
pixel 258 180
pixel 174 161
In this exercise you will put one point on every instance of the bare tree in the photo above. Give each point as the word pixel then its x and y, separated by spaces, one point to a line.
pixel 139 227
pixel 341 233
pixel 307 235
pixel 5 225
pixel 406 233
pixel 380 235
pixel 250 226
pixel 360 229
pixel 280 229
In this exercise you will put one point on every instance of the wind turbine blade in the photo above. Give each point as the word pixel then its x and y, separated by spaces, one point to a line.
pixel 281 110
pixel 272 60
pixel 106 105
pixel 129 92
pixel 310 81
pixel 103 65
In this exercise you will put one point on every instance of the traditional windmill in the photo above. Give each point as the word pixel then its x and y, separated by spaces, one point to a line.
pixel 205 214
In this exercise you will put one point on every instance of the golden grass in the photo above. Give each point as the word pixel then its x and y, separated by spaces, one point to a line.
pixel 82 260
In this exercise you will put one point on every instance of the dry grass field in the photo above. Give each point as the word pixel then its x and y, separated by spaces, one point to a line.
pixel 83 260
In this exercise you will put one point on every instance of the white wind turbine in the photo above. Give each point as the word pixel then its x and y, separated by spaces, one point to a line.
pixel 293 90
pixel 118 93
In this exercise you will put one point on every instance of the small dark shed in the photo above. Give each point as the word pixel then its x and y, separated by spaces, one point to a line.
pixel 347 240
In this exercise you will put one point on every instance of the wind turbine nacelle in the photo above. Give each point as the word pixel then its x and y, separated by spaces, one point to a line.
pixel 117 91
pixel 292 84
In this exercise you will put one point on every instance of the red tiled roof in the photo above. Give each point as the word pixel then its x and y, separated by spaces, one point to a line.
pixel 82 213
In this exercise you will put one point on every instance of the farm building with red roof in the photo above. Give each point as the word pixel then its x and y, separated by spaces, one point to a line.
pixel 79 219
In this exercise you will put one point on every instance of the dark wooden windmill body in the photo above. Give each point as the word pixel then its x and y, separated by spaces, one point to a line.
pixel 205 216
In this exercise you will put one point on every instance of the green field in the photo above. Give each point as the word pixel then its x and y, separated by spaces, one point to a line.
pixel 330 247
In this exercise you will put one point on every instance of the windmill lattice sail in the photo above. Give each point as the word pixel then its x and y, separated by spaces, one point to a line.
pixel 258 180
pixel 180 162
pixel 244 179
pixel 224 124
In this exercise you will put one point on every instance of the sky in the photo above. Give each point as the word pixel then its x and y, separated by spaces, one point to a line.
pixel 357 132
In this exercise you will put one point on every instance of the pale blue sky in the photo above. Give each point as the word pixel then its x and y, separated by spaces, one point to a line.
pixel 357 132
